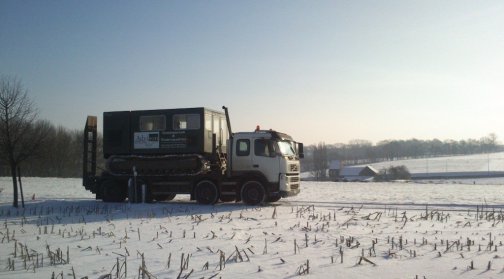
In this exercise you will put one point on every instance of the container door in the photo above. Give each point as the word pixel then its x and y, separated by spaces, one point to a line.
pixel 116 133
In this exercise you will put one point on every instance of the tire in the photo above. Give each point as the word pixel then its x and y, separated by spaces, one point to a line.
pixel 206 192
pixel 253 193
pixel 166 197
pixel 274 198
pixel 112 191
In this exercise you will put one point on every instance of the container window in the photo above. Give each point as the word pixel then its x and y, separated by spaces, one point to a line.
pixel 186 122
pixel 152 123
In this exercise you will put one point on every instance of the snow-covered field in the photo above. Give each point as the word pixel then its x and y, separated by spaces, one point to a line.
pixel 465 163
pixel 330 230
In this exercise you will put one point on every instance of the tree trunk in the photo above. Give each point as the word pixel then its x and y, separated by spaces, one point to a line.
pixel 20 186
pixel 14 183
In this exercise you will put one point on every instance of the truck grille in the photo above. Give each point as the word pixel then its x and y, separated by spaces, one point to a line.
pixel 294 182
pixel 293 167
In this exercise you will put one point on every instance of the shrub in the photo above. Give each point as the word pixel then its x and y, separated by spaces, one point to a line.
pixel 394 173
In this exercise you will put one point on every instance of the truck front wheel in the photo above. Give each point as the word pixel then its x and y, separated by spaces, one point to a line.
pixel 253 193
pixel 206 192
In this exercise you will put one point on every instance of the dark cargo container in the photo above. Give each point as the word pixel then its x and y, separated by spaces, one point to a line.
pixel 116 133
pixel 163 132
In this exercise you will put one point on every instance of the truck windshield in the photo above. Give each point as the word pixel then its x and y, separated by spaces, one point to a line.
pixel 286 148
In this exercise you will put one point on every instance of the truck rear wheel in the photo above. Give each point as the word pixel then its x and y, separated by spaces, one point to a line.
pixel 206 192
pixel 112 191
pixel 253 193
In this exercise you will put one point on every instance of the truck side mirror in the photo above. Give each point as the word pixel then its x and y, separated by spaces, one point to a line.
pixel 300 150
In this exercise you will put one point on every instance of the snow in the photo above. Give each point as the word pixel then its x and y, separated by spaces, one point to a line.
pixel 464 163
pixel 323 218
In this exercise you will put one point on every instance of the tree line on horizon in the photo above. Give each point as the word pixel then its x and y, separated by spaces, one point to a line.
pixel 32 146
pixel 61 154
pixel 365 152
pixel 39 148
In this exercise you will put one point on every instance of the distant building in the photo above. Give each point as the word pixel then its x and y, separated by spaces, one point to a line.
pixel 358 173
pixel 338 172
pixel 334 169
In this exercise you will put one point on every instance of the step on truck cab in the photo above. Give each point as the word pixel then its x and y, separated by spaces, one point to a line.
pixel 157 154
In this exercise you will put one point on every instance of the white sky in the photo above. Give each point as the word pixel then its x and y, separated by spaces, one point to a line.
pixel 327 71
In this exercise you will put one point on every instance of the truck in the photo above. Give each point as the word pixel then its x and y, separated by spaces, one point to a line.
pixel 154 155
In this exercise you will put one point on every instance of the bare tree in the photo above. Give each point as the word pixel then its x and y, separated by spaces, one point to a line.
pixel 21 135
pixel 320 161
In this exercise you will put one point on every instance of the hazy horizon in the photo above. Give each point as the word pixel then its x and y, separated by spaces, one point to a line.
pixel 325 71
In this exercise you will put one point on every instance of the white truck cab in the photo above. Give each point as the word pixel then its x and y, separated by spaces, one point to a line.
pixel 270 156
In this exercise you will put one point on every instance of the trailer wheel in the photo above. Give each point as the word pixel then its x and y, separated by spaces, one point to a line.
pixel 206 192
pixel 112 191
pixel 253 193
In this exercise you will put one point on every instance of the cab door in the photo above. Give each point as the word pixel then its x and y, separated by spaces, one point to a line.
pixel 242 155
pixel 265 158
